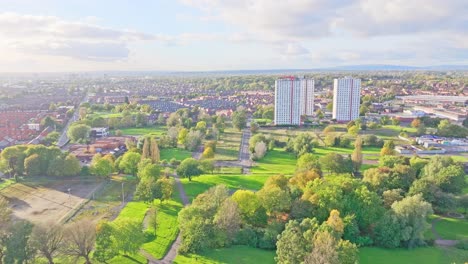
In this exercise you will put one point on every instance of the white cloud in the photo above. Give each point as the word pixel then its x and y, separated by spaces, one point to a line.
pixel 49 35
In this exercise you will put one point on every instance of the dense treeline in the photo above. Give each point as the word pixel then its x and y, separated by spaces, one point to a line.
pixel 38 160
pixel 316 215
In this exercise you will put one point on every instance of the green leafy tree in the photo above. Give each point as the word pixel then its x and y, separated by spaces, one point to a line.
pixel 295 242
pixel 79 132
pixel 32 165
pixel 308 162
pixel 129 162
pixel 71 165
pixel 188 168
pixel 128 236
pixel 18 246
pixel 356 157
pixel 239 119
pixel 105 249
pixel 334 162
pixel 412 213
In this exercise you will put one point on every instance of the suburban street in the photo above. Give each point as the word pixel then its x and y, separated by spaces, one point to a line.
pixel 63 139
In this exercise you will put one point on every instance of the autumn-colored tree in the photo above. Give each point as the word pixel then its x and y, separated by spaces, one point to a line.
pixel 155 154
pixel 356 157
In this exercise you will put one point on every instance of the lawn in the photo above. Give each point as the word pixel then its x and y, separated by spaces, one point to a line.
pixel 134 210
pixel 276 162
pixel 228 145
pixel 450 228
pixel 202 183
pixel 320 151
pixel 166 230
pixel 235 254
pixel 177 153
pixel 426 255
pixel 138 131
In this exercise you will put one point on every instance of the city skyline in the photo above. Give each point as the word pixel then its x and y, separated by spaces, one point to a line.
pixel 202 35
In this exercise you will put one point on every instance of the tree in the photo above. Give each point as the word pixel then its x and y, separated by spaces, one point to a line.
pixel 48 240
pixel 308 162
pixel 302 144
pixel 387 231
pixel 391 196
pixel 207 166
pixel 295 242
pixel 145 150
pixel 416 123
pixel 324 250
pixel 193 140
pixel 71 165
pixel 334 162
pixel 129 162
pixel 128 236
pixel 356 157
pixel 32 165
pixel 274 199
pixel 80 239
pixel 302 178
pixel 228 219
pixel 101 167
pixel 105 249
pixel 56 167
pixel 354 130
pixel 239 119
pixel 247 202
pixel 154 150
pixel 388 148
pixel 336 223
pixel 153 218
pixel 254 127
pixel 51 138
pixel 5 225
pixel 188 168
pixel 208 153
pixel 182 136
pixel 18 246
pixel 412 213
pixel 166 188
pixel 260 150
pixel 78 132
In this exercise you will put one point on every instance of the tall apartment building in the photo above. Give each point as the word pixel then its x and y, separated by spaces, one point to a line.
pixel 294 97
pixel 346 98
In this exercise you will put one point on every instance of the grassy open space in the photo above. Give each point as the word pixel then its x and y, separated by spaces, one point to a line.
pixel 134 210
pixel 177 153
pixel 166 230
pixel 276 161
pixel 426 255
pixel 235 254
pixel 202 183
pixel 228 145
pixel 139 131
pixel 450 228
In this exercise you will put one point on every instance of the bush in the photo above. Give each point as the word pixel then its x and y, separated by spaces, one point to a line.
pixel 462 244
pixel 246 236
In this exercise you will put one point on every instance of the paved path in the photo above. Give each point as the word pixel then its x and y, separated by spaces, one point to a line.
pixel 63 139
pixel 439 241
pixel 172 253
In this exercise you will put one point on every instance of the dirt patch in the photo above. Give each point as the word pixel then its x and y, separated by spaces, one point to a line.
pixel 48 202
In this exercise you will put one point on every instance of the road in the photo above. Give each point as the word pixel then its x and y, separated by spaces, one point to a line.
pixel 63 139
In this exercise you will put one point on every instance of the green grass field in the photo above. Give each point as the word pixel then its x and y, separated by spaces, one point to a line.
pixel 235 254
pixel 134 210
pixel 276 162
pixel 166 230
pixel 450 228
pixel 426 255
pixel 139 131
pixel 202 183
pixel 179 154
pixel 228 145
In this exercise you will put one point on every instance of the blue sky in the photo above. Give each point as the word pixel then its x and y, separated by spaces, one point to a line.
pixel 192 35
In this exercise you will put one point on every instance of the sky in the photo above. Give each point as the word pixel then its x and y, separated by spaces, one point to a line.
pixel 207 35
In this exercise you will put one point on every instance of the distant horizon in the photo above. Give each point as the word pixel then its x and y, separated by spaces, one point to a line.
pixel 357 67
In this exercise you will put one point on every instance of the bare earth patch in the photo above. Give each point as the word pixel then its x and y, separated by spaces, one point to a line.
pixel 48 202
